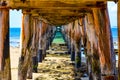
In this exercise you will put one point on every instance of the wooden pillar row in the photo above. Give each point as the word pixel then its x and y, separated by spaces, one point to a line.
pixel 68 33
pixel 118 25
pixel 105 45
pixel 5 72
pixel 26 56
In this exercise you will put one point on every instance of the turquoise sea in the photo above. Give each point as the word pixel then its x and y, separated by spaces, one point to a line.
pixel 15 36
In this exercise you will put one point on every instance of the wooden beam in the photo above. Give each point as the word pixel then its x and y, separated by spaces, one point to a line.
pixel 73 10
pixel 5 73
pixel 55 3
pixel 118 21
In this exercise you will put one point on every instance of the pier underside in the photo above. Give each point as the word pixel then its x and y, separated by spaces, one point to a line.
pixel 85 27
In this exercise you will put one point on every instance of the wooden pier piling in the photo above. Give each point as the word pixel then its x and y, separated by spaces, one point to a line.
pixel 5 71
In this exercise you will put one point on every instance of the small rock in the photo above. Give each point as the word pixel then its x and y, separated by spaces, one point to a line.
pixel 58 66
pixel 45 59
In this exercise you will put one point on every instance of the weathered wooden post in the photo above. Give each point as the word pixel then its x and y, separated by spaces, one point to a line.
pixel 69 41
pixel 26 55
pixel 32 49
pixel 77 56
pixel 44 46
pixel 77 43
pixel 35 44
pixel 118 22
pixel 5 73
pixel 105 45
pixel 72 52
pixel 92 48
pixel 40 43
pixel 69 29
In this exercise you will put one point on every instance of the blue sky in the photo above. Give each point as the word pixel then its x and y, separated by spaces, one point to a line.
pixel 112 8
pixel 16 16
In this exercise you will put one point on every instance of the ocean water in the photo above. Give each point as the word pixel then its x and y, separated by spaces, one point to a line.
pixel 15 36
pixel 114 34
pixel 58 38
pixel 115 37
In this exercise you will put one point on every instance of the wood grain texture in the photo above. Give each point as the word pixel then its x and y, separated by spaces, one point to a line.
pixel 91 48
pixel 26 56
pixel 64 11
pixel 105 45
pixel 5 73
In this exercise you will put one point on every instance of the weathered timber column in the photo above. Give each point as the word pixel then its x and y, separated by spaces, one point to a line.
pixel 92 49
pixel 77 56
pixel 72 52
pixel 40 56
pixel 26 56
pixel 77 43
pixel 105 43
pixel 31 47
pixel 35 44
pixel 118 22
pixel 69 45
pixel 5 73
pixel 40 50
pixel 89 60
pixel 44 46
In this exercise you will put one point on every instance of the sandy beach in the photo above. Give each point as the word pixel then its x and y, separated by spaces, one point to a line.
pixel 14 56
pixel 53 67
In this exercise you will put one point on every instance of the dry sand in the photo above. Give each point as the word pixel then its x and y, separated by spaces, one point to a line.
pixel 14 56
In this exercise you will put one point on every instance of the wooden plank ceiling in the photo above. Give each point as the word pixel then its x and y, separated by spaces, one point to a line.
pixel 57 12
